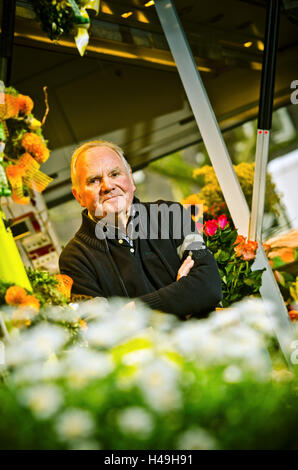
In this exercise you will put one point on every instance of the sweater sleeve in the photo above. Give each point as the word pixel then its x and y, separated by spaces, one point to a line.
pixel 195 294
pixel 200 291
pixel 84 279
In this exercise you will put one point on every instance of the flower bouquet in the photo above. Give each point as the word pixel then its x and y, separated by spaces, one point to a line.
pixel 234 256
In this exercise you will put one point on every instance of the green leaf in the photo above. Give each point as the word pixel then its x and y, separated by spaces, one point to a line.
pixel 277 262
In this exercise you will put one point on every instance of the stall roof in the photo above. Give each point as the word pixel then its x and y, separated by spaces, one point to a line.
pixel 126 88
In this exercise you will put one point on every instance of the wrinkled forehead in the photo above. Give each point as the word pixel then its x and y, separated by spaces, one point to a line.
pixel 98 158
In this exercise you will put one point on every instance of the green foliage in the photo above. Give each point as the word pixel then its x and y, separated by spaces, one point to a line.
pixel 177 170
pixel 238 280
pixel 57 17
pixel 289 287
pixel 17 130
pixel 45 288
pixel 3 288
pixel 249 415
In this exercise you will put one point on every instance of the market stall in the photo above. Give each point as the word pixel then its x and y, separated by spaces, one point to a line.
pixel 61 353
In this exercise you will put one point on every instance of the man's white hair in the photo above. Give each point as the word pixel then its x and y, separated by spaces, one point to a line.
pixel 89 145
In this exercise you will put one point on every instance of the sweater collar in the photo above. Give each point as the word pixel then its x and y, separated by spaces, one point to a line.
pixel 87 231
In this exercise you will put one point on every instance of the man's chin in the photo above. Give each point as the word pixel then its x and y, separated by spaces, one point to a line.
pixel 113 205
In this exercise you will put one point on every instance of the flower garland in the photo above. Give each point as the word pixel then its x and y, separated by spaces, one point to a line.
pixel 22 147
pixel 47 290
pixel 59 17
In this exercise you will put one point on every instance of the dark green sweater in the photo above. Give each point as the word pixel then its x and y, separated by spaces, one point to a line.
pixel 147 271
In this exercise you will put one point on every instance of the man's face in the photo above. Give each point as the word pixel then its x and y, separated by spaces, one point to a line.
pixel 105 188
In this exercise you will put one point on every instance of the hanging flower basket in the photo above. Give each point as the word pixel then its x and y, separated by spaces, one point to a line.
pixel 59 17
pixel 22 147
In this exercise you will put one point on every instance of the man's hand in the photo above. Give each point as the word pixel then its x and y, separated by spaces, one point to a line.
pixel 130 306
pixel 185 267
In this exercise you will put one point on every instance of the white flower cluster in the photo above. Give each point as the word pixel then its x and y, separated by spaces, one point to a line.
pixel 150 347
pixel 235 335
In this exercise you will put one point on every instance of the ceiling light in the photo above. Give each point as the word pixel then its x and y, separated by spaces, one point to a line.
pixel 260 45
pixel 204 69
pixel 142 17
pixel 149 4
pixel 106 9
pixel 126 15
pixel 256 66
pixel 247 44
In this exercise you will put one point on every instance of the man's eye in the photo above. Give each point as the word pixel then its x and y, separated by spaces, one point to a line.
pixel 115 173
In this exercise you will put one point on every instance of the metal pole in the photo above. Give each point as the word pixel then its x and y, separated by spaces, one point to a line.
pixel 264 118
pixel 6 41
pixel 221 162
pixel 204 115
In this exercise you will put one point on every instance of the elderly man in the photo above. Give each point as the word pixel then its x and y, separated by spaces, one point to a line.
pixel 115 254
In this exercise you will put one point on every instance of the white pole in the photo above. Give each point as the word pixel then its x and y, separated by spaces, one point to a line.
pixel 221 161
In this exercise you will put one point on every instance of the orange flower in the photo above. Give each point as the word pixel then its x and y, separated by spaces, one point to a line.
pixel 287 254
pixel 14 171
pixel 12 108
pixel 64 284
pixel 32 302
pixel 33 144
pixel 25 104
pixel 15 295
pixel 245 249
pixel 250 249
pixel 248 253
pixel 293 315
pixel 239 243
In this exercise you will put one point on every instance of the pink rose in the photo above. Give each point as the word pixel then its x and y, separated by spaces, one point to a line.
pixel 210 227
pixel 222 221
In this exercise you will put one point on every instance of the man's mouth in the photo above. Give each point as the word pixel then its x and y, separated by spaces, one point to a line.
pixel 111 197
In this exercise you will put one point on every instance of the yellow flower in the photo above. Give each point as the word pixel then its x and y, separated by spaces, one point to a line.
pixel 33 123
pixel 211 192
pixel 83 324
pixel 192 199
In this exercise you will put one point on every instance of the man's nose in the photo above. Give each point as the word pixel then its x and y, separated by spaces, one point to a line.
pixel 106 184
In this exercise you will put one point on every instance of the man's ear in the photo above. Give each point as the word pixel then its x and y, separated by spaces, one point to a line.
pixel 132 180
pixel 77 196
